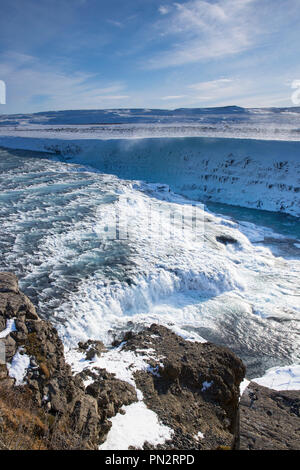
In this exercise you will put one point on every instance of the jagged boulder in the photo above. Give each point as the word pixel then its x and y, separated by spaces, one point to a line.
pixel 193 387
pixel 49 378
pixel 272 421
pixel 13 303
pixel 91 348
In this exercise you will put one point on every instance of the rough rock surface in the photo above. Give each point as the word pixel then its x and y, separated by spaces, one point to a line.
pixel 91 348
pixel 50 379
pixel 272 422
pixel 193 387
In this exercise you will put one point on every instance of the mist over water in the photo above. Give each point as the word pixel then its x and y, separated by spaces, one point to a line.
pixel 55 218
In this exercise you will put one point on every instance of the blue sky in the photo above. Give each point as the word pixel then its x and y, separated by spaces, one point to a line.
pixel 89 54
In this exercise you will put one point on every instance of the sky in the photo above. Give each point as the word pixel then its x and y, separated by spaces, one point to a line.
pixel 93 54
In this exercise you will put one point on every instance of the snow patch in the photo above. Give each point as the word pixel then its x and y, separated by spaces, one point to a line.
pixel 206 385
pixel 243 385
pixel 18 367
pixel 138 424
pixel 117 361
pixel 198 436
pixel 10 327
pixel 134 428
pixel 154 370
pixel 281 378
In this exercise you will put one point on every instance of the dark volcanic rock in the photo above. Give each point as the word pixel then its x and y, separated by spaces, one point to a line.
pixel 50 380
pixel 272 422
pixel 111 394
pixel 9 283
pixel 226 239
pixel 14 303
pixel 193 388
pixel 91 348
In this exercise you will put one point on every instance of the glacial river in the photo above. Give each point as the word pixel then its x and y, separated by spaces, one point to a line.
pixel 98 254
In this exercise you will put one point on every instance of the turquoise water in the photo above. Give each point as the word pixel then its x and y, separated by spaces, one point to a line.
pixel 283 224
pixel 240 295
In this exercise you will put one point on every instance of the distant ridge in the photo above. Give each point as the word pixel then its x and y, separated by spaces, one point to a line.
pixel 140 115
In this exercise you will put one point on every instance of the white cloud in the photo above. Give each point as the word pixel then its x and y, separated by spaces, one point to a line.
pixel 163 10
pixel 34 85
pixel 202 30
pixel 221 89
pixel 172 97
pixel 238 91
pixel 112 97
pixel 203 98
pixel 211 85
pixel 115 23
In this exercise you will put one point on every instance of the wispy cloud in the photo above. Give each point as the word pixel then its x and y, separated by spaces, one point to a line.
pixel 118 24
pixel 163 10
pixel 213 91
pixel 222 89
pixel 239 91
pixel 112 97
pixel 32 84
pixel 90 54
pixel 172 97
pixel 211 85
pixel 203 30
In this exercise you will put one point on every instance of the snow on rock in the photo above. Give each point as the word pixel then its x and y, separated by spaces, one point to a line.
pixel 134 428
pixel 10 327
pixel 18 367
pixel 281 378
pixel 198 436
pixel 243 385
pixel 206 385
pixel 139 424
pixel 116 361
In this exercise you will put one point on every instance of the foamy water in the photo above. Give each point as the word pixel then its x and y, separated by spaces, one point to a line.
pixel 63 232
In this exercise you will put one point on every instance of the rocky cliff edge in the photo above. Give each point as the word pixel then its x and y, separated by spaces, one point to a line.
pixel 192 388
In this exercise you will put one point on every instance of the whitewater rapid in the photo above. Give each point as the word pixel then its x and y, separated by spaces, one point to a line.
pixel 99 254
